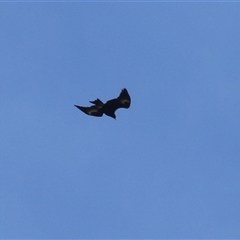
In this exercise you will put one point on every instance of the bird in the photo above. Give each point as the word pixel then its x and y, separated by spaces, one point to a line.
pixel 99 108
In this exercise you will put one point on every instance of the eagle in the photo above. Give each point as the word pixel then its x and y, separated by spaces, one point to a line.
pixel 99 108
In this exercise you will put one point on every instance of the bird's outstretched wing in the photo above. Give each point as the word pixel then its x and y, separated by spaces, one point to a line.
pixel 95 110
pixel 123 101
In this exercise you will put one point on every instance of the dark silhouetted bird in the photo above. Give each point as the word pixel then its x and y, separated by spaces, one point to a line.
pixel 109 108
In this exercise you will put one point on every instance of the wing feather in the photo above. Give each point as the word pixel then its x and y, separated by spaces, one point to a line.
pixel 95 110
pixel 123 101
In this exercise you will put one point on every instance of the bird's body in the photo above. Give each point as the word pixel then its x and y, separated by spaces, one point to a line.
pixel 109 108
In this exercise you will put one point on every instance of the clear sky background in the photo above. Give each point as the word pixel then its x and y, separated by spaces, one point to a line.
pixel 168 167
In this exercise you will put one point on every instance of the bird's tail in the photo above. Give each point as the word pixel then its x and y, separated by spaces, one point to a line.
pixel 97 102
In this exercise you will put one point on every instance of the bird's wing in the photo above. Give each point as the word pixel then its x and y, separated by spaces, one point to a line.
pixel 93 110
pixel 123 101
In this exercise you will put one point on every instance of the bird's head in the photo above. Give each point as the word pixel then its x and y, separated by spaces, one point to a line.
pixel 112 115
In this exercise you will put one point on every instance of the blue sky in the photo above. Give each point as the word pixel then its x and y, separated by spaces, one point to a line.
pixel 167 168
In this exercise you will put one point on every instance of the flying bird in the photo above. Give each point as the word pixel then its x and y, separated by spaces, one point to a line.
pixel 99 108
